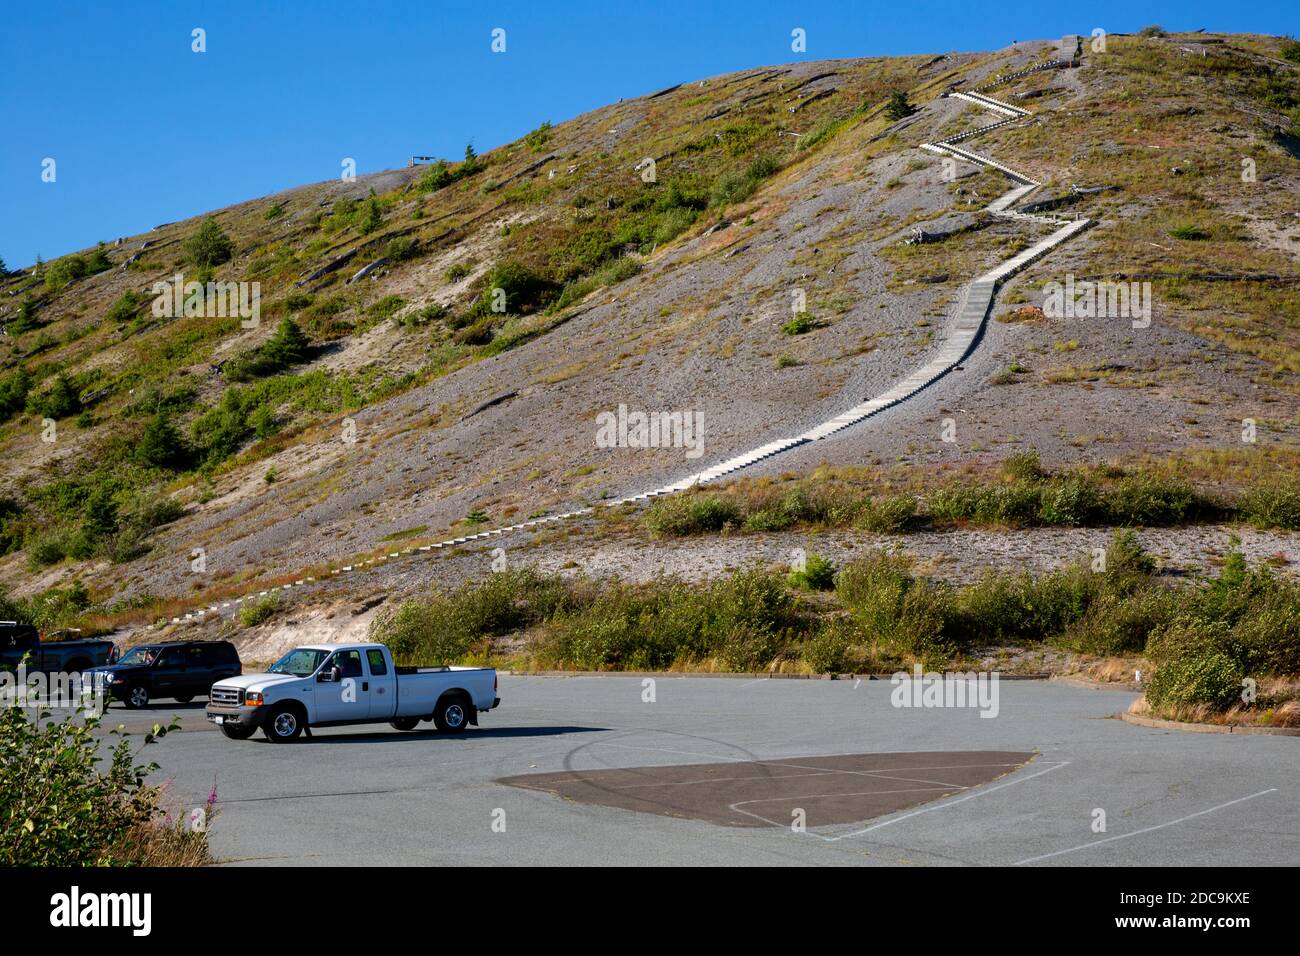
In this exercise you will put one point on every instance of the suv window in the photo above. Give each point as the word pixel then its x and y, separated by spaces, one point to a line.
pixel 214 654
pixel 194 656
pixel 171 657
pixel 348 663
pixel 378 667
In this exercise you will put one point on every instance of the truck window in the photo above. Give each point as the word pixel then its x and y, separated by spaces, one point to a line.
pixel 18 638
pixel 348 663
pixel 378 666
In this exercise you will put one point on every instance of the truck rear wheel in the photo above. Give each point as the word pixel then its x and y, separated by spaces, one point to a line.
pixel 284 724
pixel 451 715
pixel 405 723
pixel 237 733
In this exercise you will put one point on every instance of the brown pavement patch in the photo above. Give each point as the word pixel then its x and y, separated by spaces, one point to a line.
pixel 843 788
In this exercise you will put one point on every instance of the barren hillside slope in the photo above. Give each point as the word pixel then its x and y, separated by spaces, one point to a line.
pixel 414 410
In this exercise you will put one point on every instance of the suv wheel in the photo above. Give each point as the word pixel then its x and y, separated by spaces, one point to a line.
pixel 137 697
pixel 405 723
pixel 284 724
pixel 184 698
pixel 237 733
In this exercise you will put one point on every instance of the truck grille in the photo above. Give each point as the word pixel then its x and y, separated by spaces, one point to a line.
pixel 225 696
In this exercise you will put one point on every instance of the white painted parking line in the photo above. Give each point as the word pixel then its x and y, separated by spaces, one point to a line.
pixel 1159 826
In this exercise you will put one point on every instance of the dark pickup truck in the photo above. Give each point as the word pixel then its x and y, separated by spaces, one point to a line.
pixel 50 657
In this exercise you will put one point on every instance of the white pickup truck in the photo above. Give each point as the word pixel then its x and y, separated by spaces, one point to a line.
pixel 328 685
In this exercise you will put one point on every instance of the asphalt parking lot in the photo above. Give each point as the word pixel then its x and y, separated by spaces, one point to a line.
pixel 533 783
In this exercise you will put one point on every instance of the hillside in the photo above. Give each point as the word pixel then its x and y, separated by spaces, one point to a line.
pixel 409 411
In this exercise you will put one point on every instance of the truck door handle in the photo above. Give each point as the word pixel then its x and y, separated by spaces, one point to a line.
pixel 365 685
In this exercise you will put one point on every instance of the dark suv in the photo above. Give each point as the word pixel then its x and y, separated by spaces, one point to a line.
pixel 181 670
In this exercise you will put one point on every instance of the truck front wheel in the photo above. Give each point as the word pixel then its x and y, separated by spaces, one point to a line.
pixel 284 724
pixel 451 715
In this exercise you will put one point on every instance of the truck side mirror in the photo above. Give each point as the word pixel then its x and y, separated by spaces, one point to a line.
pixel 329 675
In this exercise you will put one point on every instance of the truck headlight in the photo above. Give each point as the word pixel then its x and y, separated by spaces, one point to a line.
pixel 253 698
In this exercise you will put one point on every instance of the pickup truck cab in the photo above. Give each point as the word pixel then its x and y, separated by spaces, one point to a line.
pixel 330 685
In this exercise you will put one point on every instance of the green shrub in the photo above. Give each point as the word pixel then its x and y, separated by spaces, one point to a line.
pixel 209 246
pixel 678 515
pixel 66 270
pixel 1023 467
pixel 536 140
pixel 892 606
pixel 385 307
pixel 374 217
pixel 1071 502
pixel 799 325
pixel 1211 678
pixel 817 574
pixel 289 346
pixel 1151 501
pixel 12 531
pixel 161 445
pixel 442 628
pixel 46 547
pixel 1116 624
pixel 60 400
pixel 898 108
pixel 25 320
pixel 1268 505
pixel 525 291
pixel 827 650
pixel 1268 638
pixel 888 515
pixel 741 621
pixel 14 386
pixel 748 648
pixel 124 308
pixel 253 613
pixel 62 807
pixel 1022 607
pixel 401 249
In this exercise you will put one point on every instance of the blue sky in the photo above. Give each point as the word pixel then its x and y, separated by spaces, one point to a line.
pixel 145 131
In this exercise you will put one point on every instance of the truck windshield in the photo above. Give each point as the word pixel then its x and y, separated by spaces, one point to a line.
pixel 137 656
pixel 300 662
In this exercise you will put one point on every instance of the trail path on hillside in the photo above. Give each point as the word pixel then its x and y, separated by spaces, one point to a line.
pixel 959 339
